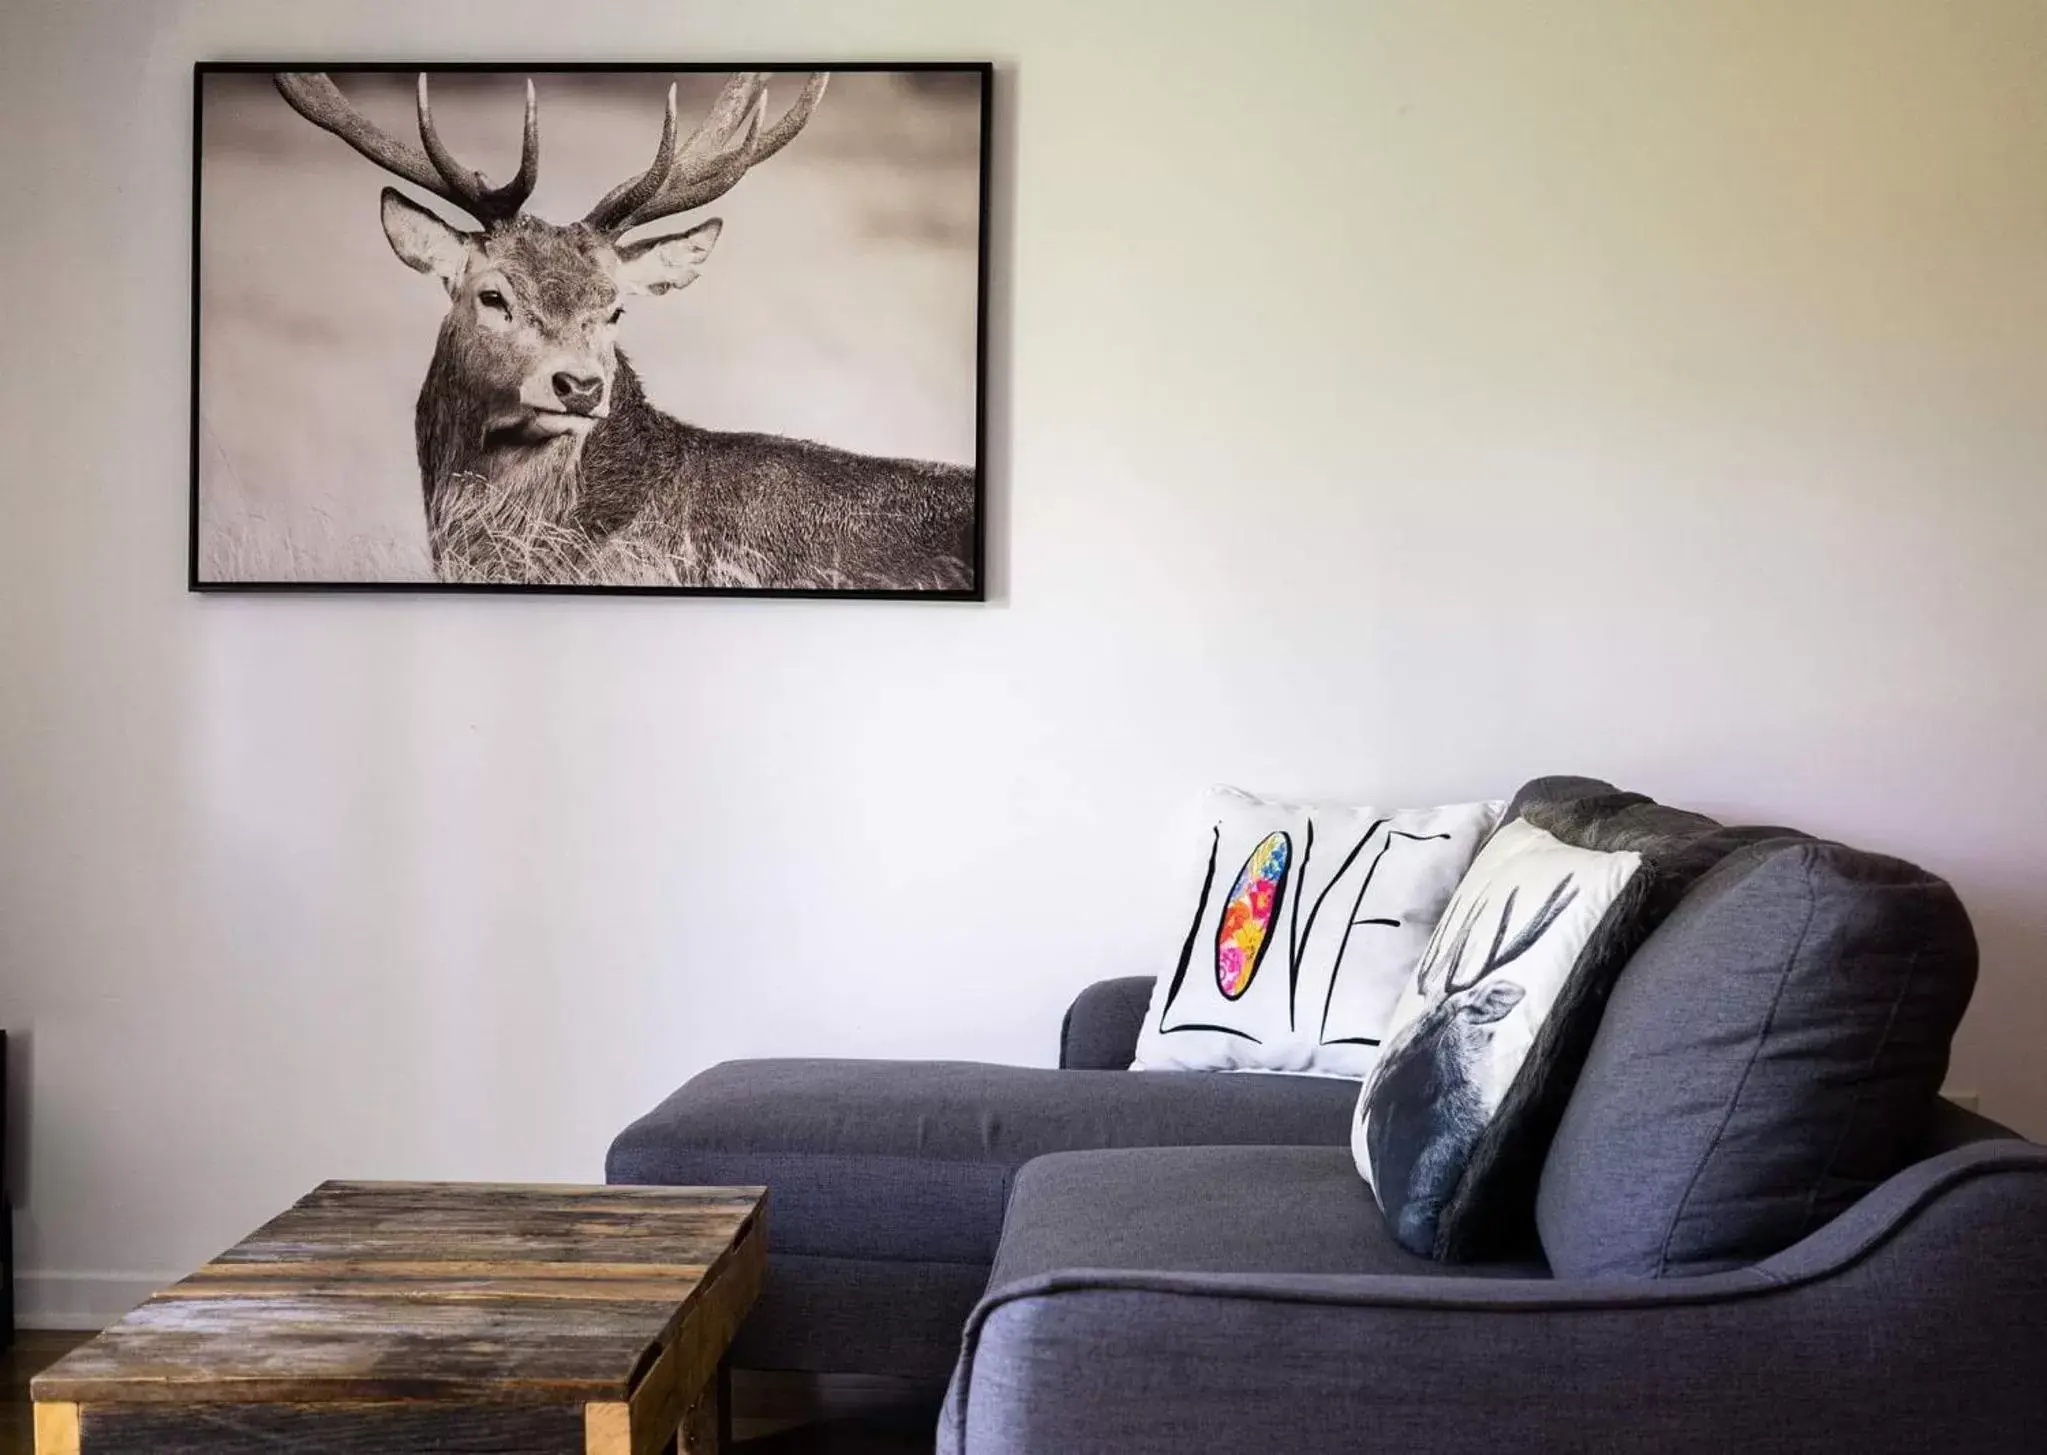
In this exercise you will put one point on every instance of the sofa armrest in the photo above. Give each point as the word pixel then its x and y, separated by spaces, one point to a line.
pixel 1100 1029
pixel 1910 1323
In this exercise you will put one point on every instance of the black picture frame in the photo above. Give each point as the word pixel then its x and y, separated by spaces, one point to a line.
pixel 984 74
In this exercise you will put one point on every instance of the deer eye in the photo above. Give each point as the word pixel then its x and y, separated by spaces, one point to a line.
pixel 491 298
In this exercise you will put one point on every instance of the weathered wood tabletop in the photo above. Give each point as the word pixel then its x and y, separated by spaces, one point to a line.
pixel 468 1317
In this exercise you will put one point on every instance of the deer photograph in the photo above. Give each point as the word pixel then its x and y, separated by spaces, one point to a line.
pixel 485 327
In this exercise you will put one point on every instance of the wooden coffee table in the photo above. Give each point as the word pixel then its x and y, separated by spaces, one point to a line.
pixel 410 1316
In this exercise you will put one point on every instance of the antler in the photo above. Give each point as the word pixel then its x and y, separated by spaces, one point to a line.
pixel 314 96
pixel 1505 951
pixel 730 141
pixel 1446 946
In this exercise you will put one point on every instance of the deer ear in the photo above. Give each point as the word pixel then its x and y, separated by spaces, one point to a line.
pixel 423 242
pixel 662 264
pixel 1498 998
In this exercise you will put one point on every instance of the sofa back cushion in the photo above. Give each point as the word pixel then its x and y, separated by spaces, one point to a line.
pixel 1773 1051
pixel 1453 1126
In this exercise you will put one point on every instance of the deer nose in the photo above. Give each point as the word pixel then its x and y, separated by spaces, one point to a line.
pixel 579 393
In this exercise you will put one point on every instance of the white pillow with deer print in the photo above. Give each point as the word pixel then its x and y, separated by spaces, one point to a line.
pixel 1471 1019
pixel 1302 924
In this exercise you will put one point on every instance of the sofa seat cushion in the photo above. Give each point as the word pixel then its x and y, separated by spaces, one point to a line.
pixel 912 1160
pixel 1253 1210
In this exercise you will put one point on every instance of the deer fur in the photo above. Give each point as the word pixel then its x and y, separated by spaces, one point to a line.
pixel 541 458
pixel 1418 1157
pixel 723 508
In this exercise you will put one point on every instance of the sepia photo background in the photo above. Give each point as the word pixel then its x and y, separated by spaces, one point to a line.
pixel 839 304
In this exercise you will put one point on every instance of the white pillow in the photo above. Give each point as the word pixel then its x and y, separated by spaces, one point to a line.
pixel 1304 922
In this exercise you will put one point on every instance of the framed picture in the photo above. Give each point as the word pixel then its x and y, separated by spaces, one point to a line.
pixel 590 328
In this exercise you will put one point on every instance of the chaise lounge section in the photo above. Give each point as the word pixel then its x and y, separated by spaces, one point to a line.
pixel 888 1180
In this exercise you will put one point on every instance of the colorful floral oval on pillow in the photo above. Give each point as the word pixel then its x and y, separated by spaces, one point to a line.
pixel 1247 918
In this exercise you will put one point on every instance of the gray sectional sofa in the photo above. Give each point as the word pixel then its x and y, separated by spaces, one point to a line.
pixel 1108 1261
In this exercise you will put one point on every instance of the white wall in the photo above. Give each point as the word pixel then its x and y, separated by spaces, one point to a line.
pixel 1393 399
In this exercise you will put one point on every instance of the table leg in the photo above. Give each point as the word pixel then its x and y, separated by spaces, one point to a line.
pixel 707 1428
pixel 56 1428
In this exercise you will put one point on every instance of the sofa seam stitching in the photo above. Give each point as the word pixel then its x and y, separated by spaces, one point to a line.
pixel 1862 1087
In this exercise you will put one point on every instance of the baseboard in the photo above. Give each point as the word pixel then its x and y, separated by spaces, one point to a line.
pixel 80 1300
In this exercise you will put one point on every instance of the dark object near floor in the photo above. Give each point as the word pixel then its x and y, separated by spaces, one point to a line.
pixel 6 1214
pixel 32 1351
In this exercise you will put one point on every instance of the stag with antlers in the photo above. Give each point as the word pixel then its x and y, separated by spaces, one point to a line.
pixel 540 456
pixel 1425 1107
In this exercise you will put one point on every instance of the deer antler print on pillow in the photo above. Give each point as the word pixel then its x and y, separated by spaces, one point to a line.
pixel 1472 1019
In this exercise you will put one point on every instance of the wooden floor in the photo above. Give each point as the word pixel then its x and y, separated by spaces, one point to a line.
pixel 760 1431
